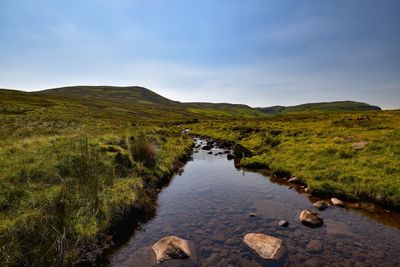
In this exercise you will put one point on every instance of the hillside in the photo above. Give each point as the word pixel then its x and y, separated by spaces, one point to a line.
pixel 324 107
pixel 69 172
pixel 223 110
pixel 76 160
pixel 126 95
pixel 137 104
pixel 143 98
pixel 117 104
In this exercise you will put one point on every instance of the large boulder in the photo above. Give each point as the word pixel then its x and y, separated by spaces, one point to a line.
pixel 206 147
pixel 240 151
pixel 267 247
pixel 311 219
pixel 171 247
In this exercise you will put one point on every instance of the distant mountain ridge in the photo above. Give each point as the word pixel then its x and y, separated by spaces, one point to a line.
pixel 321 107
pixel 143 98
pixel 139 103
pixel 128 94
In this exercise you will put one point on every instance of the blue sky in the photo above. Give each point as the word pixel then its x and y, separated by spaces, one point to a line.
pixel 257 52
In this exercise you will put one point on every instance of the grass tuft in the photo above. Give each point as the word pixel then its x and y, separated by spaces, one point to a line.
pixel 319 149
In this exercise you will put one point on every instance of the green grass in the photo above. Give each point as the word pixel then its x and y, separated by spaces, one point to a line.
pixel 59 195
pixel 223 110
pixel 72 168
pixel 318 149
pixel 75 160
pixel 146 104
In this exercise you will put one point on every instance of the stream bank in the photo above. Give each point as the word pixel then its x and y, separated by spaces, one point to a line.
pixel 210 202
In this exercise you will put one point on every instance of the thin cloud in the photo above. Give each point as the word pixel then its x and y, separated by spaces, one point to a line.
pixel 264 53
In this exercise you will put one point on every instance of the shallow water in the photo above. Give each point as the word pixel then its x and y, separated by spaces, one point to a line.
pixel 210 202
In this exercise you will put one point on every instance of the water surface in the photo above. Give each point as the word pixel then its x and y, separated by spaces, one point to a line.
pixel 209 204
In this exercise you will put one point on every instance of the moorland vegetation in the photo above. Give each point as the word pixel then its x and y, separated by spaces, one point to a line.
pixel 353 155
pixel 74 161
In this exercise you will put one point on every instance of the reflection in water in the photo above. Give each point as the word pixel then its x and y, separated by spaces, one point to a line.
pixel 209 205
pixel 367 209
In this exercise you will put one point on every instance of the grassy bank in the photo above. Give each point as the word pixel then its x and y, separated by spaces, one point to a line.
pixel 60 194
pixel 324 150
pixel 71 167
pixel 75 160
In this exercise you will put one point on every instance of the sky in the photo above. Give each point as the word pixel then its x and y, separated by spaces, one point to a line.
pixel 255 52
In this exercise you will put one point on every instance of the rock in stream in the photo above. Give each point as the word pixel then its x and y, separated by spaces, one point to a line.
pixel 267 247
pixel 171 247
pixel 311 219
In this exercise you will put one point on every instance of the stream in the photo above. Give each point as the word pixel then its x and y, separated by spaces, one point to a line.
pixel 209 205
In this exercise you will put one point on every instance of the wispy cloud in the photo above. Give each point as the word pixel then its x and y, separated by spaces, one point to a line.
pixel 263 53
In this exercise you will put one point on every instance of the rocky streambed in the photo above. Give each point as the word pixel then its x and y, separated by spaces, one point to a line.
pixel 213 213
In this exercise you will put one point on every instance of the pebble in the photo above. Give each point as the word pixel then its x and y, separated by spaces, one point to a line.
pixel 283 223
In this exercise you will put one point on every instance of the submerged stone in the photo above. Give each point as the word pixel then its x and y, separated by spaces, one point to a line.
pixel 314 246
pixel 267 247
pixel 171 247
